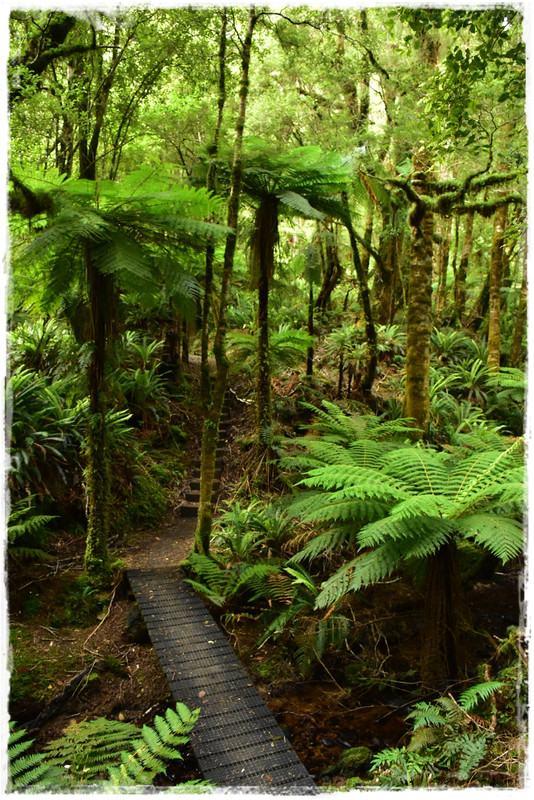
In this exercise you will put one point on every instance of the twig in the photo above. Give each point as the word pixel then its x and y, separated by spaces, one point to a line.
pixel 104 618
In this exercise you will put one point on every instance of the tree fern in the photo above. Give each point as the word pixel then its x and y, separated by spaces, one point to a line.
pixel 416 499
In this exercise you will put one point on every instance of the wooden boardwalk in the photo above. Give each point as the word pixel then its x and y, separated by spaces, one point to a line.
pixel 237 741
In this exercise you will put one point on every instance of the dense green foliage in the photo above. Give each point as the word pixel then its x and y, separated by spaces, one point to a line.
pixel 100 753
pixel 332 203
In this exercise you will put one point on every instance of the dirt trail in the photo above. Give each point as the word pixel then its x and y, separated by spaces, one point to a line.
pixel 168 544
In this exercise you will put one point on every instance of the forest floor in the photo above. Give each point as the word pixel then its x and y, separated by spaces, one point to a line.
pixel 322 715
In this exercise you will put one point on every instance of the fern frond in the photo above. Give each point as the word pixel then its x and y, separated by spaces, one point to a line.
pixel 361 482
pixel 325 542
pixel 502 536
pixel 420 470
pixel 121 253
pixel 469 699
pixel 147 759
pixel 472 748
pixel 426 714
pixel 365 570
pixel 430 505
pixel 255 578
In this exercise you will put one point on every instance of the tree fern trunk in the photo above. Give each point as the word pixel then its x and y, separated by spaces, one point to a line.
pixel 442 653
pixel 210 432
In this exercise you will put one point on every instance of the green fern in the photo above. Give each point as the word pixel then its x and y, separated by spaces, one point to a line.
pixel 101 752
pixel 27 769
pixel 147 759
pixel 86 749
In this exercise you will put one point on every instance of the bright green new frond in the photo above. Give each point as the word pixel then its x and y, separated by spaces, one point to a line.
pixel 479 694
pixel 425 714
pixel 502 536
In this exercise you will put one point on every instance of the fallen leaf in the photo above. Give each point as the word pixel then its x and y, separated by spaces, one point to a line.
pixel 202 694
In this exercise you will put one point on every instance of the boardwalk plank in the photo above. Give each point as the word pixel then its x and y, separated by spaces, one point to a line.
pixel 237 741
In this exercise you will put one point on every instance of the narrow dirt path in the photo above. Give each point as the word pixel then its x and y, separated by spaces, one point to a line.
pixel 167 545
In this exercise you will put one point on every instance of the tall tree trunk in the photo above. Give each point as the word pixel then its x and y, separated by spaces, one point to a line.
pixel 368 235
pixel 265 237
pixel 461 273
pixel 419 316
pixel 385 268
pixel 494 325
pixel 521 317
pixel 205 381
pixel 443 263
pixel 370 331
pixel 311 332
pixel 98 473
pixel 331 274
pixel 210 431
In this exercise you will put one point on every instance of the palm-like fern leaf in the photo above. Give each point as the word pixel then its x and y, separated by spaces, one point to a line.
pixel 502 536
pixel 364 570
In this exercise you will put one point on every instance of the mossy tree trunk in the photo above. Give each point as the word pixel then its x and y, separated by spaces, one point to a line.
pixel 521 318
pixel 370 331
pixel 461 272
pixel 419 314
pixel 265 239
pixel 494 322
pixel 98 472
pixel 210 431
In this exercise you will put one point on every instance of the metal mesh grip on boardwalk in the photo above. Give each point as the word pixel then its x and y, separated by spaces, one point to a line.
pixel 237 741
